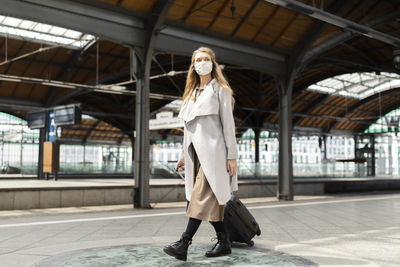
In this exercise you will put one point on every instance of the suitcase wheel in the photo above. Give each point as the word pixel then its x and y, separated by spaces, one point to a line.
pixel 258 231
pixel 251 243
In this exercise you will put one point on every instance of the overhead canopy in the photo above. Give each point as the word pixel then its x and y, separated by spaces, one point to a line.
pixel 256 43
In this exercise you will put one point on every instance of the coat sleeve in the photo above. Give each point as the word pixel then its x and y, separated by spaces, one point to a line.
pixel 228 123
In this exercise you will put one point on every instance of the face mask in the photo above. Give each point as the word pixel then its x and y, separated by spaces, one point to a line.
pixel 203 67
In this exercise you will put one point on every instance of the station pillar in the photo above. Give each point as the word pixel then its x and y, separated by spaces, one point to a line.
pixel 285 176
pixel 142 133
pixel 141 58
pixel 42 139
pixel 257 144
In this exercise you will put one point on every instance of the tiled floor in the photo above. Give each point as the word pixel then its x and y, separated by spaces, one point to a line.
pixel 342 231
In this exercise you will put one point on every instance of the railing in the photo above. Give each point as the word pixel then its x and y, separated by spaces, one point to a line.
pixel 246 169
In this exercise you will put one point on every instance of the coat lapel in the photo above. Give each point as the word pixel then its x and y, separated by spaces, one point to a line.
pixel 206 104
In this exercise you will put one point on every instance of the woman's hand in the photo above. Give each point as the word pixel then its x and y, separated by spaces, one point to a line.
pixel 231 167
pixel 180 164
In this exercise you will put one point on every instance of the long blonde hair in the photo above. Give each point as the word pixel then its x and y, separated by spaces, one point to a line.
pixel 193 79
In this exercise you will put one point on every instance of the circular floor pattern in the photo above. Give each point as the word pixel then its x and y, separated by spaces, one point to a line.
pixel 153 255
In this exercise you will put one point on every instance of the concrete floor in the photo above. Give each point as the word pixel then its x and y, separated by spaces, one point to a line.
pixel 334 231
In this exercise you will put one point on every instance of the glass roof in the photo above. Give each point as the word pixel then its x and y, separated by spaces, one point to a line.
pixel 357 85
pixel 43 33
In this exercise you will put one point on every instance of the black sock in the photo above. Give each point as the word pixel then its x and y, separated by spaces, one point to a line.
pixel 219 227
pixel 192 226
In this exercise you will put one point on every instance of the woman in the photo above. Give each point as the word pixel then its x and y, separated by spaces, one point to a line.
pixel 209 152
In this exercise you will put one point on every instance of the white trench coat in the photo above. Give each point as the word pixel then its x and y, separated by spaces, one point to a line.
pixel 209 125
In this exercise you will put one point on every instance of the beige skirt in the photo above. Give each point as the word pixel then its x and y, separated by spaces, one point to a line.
pixel 203 204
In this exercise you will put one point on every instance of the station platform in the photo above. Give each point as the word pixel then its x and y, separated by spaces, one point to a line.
pixel 340 230
pixel 22 194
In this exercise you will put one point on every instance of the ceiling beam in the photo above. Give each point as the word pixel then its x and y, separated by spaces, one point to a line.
pixel 357 65
pixel 360 52
pixel 320 101
pixel 299 130
pixel 61 65
pixel 387 110
pixel 303 115
pixel 302 47
pixel 114 24
pixel 336 21
pixel 312 35
pixel 244 18
pixel 346 35
pixel 216 16
pixel 15 55
pixel 77 55
pixel 13 101
pixel 92 129
pixel 366 101
pixel 104 80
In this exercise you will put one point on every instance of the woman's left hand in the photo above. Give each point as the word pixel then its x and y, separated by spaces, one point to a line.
pixel 231 167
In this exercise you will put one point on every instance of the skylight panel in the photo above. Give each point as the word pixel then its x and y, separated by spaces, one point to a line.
pixel 321 89
pixel 358 88
pixel 43 33
pixel 349 94
pixel 357 85
pixel 332 83
pixel 11 21
pixel 355 78
pixel 73 34
pixel 340 84
pixel 57 30
pixel 372 83
pixel 42 27
pixel 26 24
pixel 387 74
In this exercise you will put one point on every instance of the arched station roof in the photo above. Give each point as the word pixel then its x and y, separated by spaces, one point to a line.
pixel 257 43
pixel 94 130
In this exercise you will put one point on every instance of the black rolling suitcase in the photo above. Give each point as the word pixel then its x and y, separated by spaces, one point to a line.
pixel 239 222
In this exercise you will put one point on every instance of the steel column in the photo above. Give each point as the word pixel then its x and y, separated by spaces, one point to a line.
pixel 42 138
pixel 142 142
pixel 141 67
pixel 372 168
pixel 285 177
pixel 257 144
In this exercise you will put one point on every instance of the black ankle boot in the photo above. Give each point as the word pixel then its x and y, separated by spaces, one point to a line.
pixel 223 246
pixel 179 248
